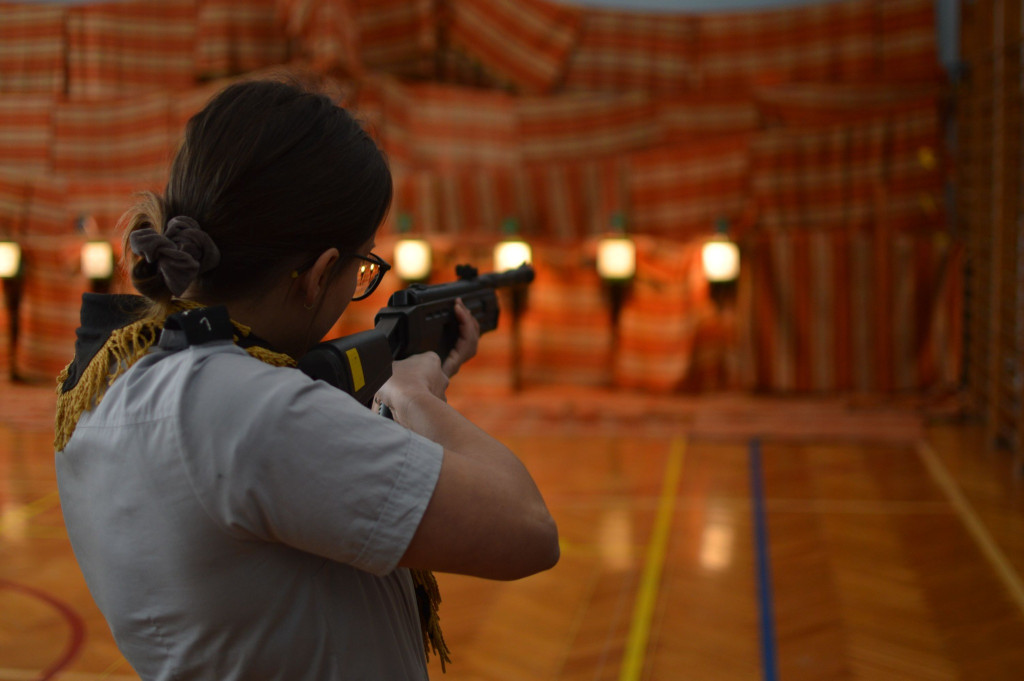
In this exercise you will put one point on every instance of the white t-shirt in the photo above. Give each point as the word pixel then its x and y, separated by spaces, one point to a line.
pixel 239 521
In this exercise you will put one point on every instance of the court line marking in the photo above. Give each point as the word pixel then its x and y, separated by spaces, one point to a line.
pixel 982 537
pixel 769 663
pixel 34 508
pixel 650 581
pixel 7 674
pixel 76 626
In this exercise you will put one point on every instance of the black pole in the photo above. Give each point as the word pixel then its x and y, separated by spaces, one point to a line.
pixel 12 298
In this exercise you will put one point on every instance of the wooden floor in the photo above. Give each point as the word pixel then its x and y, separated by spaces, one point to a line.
pixel 712 539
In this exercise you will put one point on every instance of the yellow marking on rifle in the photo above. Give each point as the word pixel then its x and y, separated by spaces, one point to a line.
pixel 358 381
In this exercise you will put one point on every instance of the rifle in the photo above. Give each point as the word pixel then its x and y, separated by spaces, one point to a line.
pixel 417 319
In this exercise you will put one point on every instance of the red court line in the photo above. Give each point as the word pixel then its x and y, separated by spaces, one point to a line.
pixel 72 618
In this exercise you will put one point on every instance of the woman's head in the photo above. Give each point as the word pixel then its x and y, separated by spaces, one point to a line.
pixel 270 174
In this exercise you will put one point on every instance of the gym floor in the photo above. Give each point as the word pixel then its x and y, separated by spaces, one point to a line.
pixel 720 537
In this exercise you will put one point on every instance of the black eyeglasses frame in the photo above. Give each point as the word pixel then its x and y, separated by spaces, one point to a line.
pixel 382 268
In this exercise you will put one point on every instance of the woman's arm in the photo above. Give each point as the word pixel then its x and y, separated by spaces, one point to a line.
pixel 486 517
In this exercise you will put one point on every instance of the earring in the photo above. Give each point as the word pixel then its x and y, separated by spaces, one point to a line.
pixel 308 307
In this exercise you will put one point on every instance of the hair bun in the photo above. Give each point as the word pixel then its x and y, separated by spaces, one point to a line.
pixel 180 254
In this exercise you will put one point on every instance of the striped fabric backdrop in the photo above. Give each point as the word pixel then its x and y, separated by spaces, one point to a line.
pixel 475 203
pixel 325 32
pixel 52 286
pixel 572 201
pixel 579 126
pixel 848 170
pixel 398 36
pixel 815 131
pixel 443 126
pixel 620 51
pixel 32 48
pixel 26 134
pixel 561 202
pixel 237 36
pixel 851 312
pixel 15 192
pixel 523 43
pixel 53 283
pixel 696 117
pixel 113 137
pixel 906 37
pixel 825 42
pixel 668 312
pixel 121 48
pixel 682 191
pixel 566 334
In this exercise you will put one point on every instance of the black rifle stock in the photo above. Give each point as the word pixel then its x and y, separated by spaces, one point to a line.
pixel 417 319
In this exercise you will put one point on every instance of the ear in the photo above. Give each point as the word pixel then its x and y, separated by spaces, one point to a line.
pixel 314 280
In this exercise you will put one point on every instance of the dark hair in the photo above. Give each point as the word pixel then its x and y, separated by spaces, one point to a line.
pixel 275 172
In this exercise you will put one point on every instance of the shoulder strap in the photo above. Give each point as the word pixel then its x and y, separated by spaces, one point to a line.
pixel 202 325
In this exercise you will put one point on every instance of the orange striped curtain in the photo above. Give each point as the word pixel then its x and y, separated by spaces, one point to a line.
pixel 523 44
pixel 128 136
pixel 26 135
pixel 572 201
pixel 32 48
pixel 850 163
pixel 907 44
pixel 130 47
pixel 566 334
pixel 52 287
pixel 669 327
pixel 363 36
pixel 15 190
pixel 825 42
pixel 442 126
pixel 325 32
pixel 559 202
pixel 578 126
pixel 849 312
pixel 398 36
pixel 683 191
pixel 236 36
pixel 619 50
pixel 696 117
pixel 53 283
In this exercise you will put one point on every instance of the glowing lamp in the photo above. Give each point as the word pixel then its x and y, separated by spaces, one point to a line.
pixel 10 259
pixel 412 259
pixel 509 255
pixel 512 251
pixel 616 258
pixel 721 259
pixel 97 260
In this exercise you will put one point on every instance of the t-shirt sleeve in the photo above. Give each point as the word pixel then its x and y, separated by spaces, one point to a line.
pixel 275 456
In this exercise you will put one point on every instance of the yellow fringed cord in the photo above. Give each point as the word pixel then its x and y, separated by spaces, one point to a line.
pixel 433 638
pixel 125 347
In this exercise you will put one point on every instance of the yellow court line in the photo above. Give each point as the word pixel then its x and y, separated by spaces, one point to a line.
pixel 40 505
pixel 30 510
pixel 650 580
pixel 989 547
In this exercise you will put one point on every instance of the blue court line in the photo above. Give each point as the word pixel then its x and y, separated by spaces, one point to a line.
pixel 769 665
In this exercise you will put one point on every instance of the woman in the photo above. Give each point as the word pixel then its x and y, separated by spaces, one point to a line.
pixel 233 518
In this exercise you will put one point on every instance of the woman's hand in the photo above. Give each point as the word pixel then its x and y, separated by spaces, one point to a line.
pixel 469 337
pixel 412 377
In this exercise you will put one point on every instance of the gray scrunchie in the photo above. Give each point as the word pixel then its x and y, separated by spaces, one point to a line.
pixel 181 253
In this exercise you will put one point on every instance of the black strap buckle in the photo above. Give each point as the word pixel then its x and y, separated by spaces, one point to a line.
pixel 202 325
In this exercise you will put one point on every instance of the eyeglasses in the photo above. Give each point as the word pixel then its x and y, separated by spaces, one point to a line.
pixel 371 271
